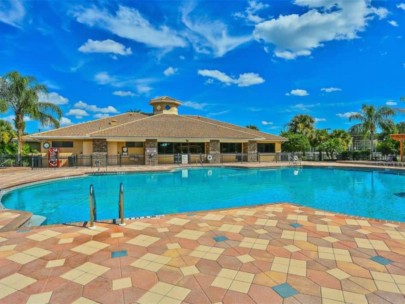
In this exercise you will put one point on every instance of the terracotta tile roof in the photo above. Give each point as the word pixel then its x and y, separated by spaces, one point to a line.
pixel 84 129
pixel 158 126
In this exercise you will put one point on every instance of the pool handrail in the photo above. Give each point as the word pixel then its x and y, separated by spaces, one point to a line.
pixel 93 208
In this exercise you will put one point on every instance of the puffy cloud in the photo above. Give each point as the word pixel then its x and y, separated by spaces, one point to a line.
pixel 319 119
pixel 170 71
pixel 347 114
pixel 326 20
pixel 393 23
pixel 64 121
pixel 123 93
pixel 391 103
pixel 210 37
pixel 244 80
pixel 266 123
pixel 129 23
pixel 12 12
pixel 94 108
pixel 401 6
pixel 10 119
pixel 250 13
pixel 298 92
pixel 78 113
pixel 105 46
pixel 54 98
pixel 194 105
pixel 331 89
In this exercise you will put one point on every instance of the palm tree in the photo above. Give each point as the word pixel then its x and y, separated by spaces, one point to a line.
pixel 344 136
pixel 372 118
pixel 20 94
pixel 302 124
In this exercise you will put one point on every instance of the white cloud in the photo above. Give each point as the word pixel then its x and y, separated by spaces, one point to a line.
pixel 303 107
pixel 54 98
pixel 64 121
pixel 254 109
pixel 391 103
pixel 250 13
pixel 123 93
pixel 94 108
pixel 210 36
pixel 101 115
pixel 105 46
pixel 401 6
pixel 12 12
pixel 266 123
pixel 298 92
pixel 78 113
pixel 143 88
pixel 170 71
pixel 347 114
pixel 194 105
pixel 319 119
pixel 326 20
pixel 104 78
pixel 244 80
pixel 331 89
pixel 218 113
pixel 10 119
pixel 129 23
pixel 393 23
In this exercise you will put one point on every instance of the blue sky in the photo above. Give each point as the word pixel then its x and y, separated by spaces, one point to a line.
pixel 243 62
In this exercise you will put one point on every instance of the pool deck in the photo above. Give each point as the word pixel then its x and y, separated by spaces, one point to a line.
pixel 275 253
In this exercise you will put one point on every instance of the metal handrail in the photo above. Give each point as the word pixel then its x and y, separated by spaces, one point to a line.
pixel 93 207
pixel 121 205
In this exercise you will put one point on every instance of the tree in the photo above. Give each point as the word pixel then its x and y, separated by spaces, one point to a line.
pixel 301 124
pixel 252 127
pixel 318 137
pixel 332 146
pixel 401 127
pixel 372 118
pixel 295 143
pixel 388 146
pixel 344 136
pixel 21 95
pixel 7 133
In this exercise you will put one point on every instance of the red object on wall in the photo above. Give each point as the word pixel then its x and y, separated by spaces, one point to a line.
pixel 53 160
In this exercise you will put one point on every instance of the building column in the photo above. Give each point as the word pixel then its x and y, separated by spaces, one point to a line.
pixel 252 151
pixel 151 152
pixel 99 155
pixel 214 149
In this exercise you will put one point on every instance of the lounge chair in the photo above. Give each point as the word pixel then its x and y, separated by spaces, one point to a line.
pixel 294 160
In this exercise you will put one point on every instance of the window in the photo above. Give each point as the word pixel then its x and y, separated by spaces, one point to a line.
pixel 181 148
pixel 266 148
pixel 134 144
pixel 231 148
pixel 165 148
pixel 62 144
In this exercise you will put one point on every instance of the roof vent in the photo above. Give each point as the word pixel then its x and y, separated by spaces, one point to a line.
pixel 113 122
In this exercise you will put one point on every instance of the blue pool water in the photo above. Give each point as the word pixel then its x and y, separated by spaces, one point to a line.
pixel 374 194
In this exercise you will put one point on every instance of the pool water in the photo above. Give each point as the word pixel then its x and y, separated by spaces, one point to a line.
pixel 368 193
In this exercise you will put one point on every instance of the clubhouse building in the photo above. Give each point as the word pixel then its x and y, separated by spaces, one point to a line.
pixel 164 137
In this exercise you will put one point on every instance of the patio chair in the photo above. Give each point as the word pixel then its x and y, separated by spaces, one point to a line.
pixel 294 160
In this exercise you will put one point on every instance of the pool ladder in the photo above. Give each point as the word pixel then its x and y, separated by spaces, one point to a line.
pixel 93 206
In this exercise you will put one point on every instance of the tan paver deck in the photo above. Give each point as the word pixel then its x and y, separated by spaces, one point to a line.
pixel 276 253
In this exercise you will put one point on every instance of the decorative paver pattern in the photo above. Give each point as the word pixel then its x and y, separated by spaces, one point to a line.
pixel 246 255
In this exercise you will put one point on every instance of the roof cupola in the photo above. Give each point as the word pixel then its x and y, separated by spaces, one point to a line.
pixel 165 105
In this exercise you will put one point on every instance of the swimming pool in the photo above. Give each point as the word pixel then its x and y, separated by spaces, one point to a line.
pixel 368 193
